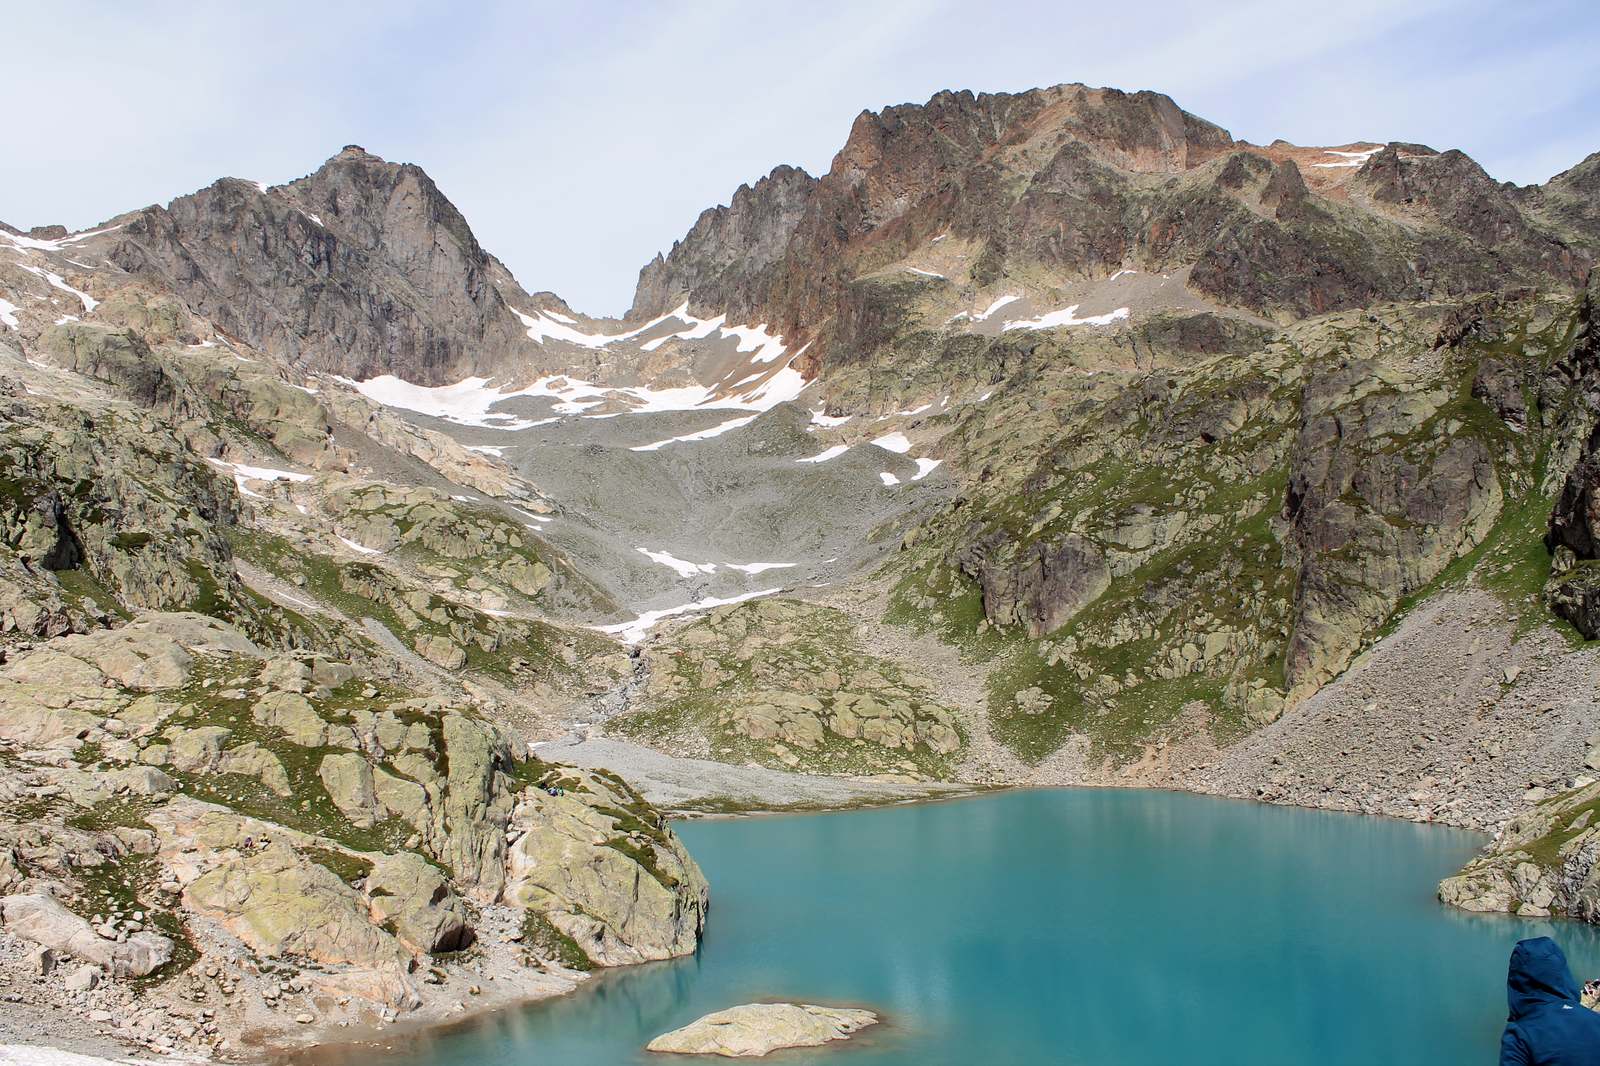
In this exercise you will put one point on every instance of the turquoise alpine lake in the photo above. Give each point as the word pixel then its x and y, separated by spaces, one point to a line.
pixel 1098 927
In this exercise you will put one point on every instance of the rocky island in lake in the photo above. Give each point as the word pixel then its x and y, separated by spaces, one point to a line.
pixel 756 1029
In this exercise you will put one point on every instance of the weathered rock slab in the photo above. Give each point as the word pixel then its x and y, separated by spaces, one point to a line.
pixel 44 921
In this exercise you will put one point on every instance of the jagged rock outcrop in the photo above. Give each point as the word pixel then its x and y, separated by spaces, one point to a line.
pixel 1039 586
pixel 1571 201
pixel 722 258
pixel 604 870
pixel 107 498
pixel 1573 536
pixel 1371 522
pixel 1075 183
pixel 1171 536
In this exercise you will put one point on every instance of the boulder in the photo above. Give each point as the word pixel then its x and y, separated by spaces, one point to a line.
pixel 252 760
pixel 142 781
pixel 348 779
pixel 296 717
pixel 441 651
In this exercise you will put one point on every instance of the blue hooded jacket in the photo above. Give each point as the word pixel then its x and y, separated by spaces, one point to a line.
pixel 1548 1026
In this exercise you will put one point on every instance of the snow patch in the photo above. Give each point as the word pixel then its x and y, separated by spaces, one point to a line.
pixel 893 442
pixel 541 327
pixel 634 631
pixel 888 479
pixel 1348 159
pixel 56 281
pixel 545 325
pixel 925 273
pixel 822 457
pixel 1009 298
pixel 1067 316
pixel 8 312
pixel 758 568
pixel 264 473
pixel 787 384
pixel 756 339
pixel 17 240
pixel 820 418
pixel 495 450
pixel 698 330
pixel 353 546
pixel 1120 273
pixel 683 567
pixel 244 472
pixel 705 434
pixel 926 467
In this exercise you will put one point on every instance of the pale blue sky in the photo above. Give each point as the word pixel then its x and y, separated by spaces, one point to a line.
pixel 578 144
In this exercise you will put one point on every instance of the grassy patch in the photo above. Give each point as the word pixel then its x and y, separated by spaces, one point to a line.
pixel 345 866
pixel 541 937
pixel 79 582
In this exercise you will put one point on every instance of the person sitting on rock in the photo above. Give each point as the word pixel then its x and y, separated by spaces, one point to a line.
pixel 1548 1024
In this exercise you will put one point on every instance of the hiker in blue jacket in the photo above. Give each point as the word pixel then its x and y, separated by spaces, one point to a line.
pixel 1548 1026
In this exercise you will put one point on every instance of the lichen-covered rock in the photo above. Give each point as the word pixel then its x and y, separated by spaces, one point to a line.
pixel 415 896
pixel 597 862
pixel 281 904
pixel 788 683
pixel 289 809
pixel 441 651
pixel 1546 861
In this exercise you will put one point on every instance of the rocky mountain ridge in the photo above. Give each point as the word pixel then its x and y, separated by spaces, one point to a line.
pixel 1071 183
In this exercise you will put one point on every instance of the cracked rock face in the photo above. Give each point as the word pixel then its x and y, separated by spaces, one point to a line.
pixel 361 268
